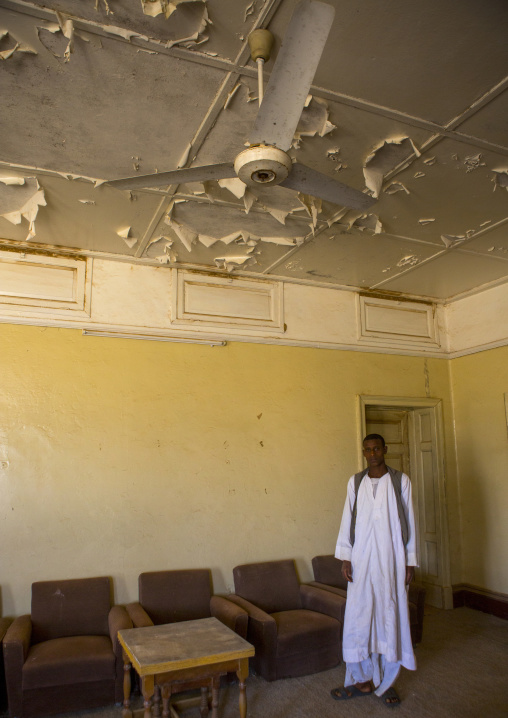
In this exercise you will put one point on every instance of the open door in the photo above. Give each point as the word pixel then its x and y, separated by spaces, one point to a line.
pixel 413 439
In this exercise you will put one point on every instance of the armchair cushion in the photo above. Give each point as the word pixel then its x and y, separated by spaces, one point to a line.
pixel 272 586
pixel 303 631
pixel 76 607
pixel 73 659
pixel 172 596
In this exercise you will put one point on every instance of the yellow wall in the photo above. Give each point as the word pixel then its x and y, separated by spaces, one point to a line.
pixel 127 456
pixel 479 382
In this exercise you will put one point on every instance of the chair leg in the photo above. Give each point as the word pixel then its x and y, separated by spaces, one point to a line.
pixel 215 695
pixel 204 702
pixel 156 701
pixel 166 695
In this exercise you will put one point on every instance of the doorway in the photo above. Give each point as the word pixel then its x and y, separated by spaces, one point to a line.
pixel 412 429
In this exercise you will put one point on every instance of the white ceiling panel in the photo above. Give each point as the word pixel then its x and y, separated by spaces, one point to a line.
pixel 451 196
pixel 108 109
pixel 490 122
pixel 357 133
pixel 233 126
pixel 353 259
pixel 230 20
pixel 80 216
pixel 428 60
pixel 493 242
pixel 200 223
pixel 450 274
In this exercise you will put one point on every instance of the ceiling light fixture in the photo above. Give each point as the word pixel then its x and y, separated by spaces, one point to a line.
pixel 152 337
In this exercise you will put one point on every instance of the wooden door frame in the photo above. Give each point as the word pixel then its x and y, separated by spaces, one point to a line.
pixel 411 403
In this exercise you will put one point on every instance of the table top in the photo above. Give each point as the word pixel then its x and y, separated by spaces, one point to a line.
pixel 172 646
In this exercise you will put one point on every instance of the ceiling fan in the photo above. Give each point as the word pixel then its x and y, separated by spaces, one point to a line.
pixel 266 162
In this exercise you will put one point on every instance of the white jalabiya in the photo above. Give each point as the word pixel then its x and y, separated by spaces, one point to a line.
pixel 376 624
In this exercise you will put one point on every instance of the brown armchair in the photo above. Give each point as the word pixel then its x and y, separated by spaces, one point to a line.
pixel 327 572
pixel 65 655
pixel 183 595
pixel 4 625
pixel 295 628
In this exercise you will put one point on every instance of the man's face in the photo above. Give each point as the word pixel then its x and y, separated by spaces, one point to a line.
pixel 374 452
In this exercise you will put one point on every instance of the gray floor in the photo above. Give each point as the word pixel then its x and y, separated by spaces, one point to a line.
pixel 462 673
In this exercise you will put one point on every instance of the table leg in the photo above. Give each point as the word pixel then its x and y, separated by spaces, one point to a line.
pixel 242 673
pixel 127 713
pixel 147 687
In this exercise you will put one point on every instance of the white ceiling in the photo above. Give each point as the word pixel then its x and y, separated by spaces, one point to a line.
pixel 136 95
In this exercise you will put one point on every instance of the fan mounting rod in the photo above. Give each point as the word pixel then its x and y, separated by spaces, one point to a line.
pixel 260 43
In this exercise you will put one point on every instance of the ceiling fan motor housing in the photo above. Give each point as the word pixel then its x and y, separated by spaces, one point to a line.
pixel 262 164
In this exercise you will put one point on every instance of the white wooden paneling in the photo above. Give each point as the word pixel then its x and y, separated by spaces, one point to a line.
pixel 395 322
pixel 478 322
pixel 44 285
pixel 227 302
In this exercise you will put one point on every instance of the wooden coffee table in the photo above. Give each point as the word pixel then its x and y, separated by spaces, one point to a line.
pixel 174 657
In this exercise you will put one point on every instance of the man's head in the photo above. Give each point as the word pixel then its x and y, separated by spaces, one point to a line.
pixel 374 450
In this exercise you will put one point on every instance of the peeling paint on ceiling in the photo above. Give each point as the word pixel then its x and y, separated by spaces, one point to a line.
pixel 107 88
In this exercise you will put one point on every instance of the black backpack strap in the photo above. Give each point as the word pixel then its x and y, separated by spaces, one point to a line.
pixel 396 477
pixel 358 480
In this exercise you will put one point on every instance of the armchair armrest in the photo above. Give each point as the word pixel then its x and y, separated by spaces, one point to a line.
pixel 322 601
pixel 254 612
pixel 4 625
pixel 261 629
pixel 416 594
pixel 327 587
pixel 17 638
pixel 230 614
pixel 118 619
pixel 16 644
pixel 138 615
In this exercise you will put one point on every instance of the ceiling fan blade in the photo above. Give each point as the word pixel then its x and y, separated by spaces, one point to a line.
pixel 309 181
pixel 292 74
pixel 188 174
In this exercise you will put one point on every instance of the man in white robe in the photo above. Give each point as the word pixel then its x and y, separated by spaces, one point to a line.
pixel 379 567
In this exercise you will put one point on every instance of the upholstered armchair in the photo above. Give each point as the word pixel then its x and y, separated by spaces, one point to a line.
pixel 327 574
pixel 4 625
pixel 65 655
pixel 295 628
pixel 183 595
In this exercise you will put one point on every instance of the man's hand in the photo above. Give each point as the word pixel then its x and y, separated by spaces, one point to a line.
pixel 347 571
pixel 410 574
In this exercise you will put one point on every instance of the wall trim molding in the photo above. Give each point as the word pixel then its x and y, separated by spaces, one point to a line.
pixel 78 323
pixel 481 599
pixel 37 289
pixel 212 337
